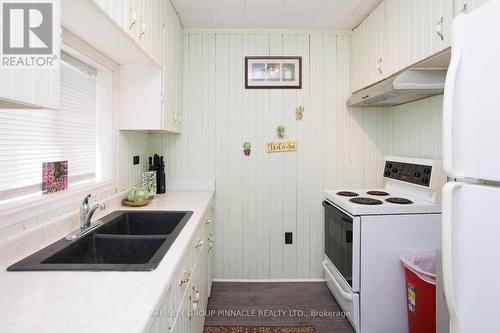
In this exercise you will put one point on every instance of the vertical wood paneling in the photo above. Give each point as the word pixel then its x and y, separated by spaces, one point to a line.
pixel 259 241
pixel 234 114
pixel 292 44
pixel 262 196
pixel 248 216
pixel 416 128
pixel 128 145
pixel 317 158
pixel 303 210
pixel 276 169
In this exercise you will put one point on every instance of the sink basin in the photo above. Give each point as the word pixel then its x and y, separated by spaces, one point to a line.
pixel 108 249
pixel 141 223
pixel 127 241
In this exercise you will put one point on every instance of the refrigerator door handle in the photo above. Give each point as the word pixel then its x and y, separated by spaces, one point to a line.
pixel 448 192
pixel 449 96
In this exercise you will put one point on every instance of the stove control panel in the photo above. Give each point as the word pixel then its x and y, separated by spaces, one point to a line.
pixel 410 173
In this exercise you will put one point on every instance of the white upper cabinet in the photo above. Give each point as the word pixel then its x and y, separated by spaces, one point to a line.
pixel 416 29
pixel 398 34
pixel 369 50
pixel 33 85
pixel 140 98
pixel 156 29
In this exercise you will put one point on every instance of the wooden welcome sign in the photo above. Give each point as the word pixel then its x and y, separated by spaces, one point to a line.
pixel 282 146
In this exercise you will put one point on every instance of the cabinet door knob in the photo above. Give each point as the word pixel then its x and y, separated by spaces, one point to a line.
pixel 198 244
pixel 142 29
pixel 207 222
pixel 196 294
pixel 186 278
pixel 132 17
pixel 379 65
pixel 439 28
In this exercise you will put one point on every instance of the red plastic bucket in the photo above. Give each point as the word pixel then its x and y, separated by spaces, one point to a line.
pixel 420 292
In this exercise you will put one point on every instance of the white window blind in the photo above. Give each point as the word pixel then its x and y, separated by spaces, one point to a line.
pixel 30 137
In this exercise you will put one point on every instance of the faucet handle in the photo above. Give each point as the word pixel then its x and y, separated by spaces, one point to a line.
pixel 86 200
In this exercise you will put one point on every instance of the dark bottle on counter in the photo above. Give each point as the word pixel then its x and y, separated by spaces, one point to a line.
pixel 151 164
pixel 157 164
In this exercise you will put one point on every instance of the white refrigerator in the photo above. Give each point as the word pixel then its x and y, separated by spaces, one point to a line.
pixel 471 155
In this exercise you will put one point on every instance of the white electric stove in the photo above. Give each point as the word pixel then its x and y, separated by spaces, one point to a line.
pixel 366 230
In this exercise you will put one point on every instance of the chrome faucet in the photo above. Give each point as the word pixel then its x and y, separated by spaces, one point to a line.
pixel 86 213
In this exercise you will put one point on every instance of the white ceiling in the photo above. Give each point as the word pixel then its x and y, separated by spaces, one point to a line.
pixel 272 14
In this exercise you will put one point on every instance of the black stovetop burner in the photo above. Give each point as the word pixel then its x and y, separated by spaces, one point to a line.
pixel 347 194
pixel 366 201
pixel 401 201
pixel 378 193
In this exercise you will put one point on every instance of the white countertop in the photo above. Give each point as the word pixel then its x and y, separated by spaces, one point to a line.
pixel 90 301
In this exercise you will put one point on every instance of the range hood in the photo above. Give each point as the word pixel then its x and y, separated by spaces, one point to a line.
pixel 407 86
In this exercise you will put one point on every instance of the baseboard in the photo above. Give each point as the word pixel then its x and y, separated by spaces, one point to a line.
pixel 269 280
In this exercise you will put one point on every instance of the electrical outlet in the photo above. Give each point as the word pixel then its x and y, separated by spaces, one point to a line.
pixel 136 160
pixel 288 238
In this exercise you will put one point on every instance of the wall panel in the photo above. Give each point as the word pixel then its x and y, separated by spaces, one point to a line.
pixel 261 197
pixel 416 129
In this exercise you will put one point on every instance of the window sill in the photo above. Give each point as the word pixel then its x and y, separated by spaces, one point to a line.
pixel 20 209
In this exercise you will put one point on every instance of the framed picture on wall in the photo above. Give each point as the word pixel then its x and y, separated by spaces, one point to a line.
pixel 273 72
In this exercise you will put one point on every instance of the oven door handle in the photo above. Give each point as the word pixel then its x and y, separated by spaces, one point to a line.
pixel 346 295
pixel 347 220
pixel 326 204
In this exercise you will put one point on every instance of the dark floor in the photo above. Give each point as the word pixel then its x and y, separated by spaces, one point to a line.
pixel 275 304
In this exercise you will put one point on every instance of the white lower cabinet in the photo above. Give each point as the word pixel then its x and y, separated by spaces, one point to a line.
pixel 183 308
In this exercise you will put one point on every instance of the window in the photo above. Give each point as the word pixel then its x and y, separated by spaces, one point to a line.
pixel 29 137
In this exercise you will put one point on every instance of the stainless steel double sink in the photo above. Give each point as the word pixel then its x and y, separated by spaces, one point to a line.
pixel 126 241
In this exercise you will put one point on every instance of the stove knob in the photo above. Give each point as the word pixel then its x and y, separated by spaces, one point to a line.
pixel 394 170
pixel 417 174
pixel 387 173
pixel 425 180
pixel 427 171
pixel 389 166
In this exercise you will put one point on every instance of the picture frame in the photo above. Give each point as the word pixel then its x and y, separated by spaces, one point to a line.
pixel 54 176
pixel 273 72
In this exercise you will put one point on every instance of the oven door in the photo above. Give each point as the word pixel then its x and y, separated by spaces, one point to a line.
pixel 342 237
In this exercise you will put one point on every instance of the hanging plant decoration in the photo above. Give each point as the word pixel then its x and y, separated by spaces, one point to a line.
pixel 280 131
pixel 299 112
pixel 281 145
pixel 247 148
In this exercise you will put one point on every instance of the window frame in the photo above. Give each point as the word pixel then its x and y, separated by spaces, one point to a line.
pixel 18 209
